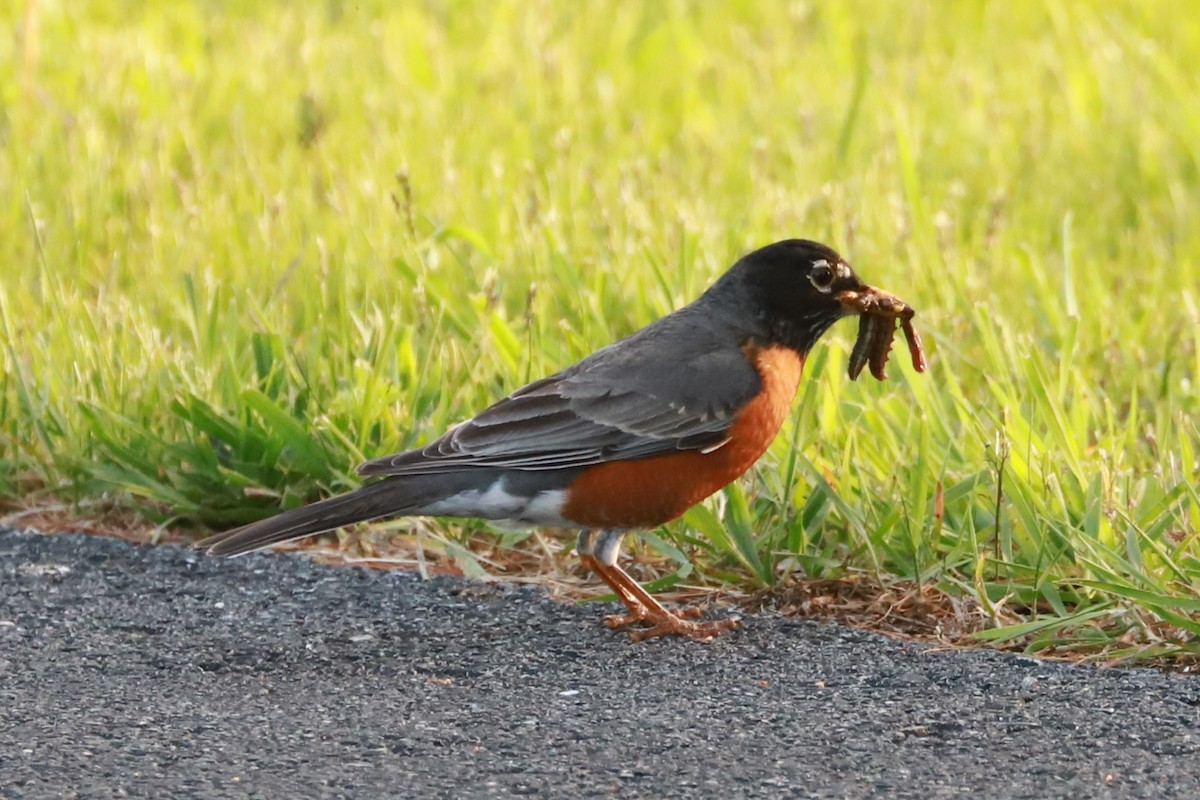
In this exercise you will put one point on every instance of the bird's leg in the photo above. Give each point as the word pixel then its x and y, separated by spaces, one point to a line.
pixel 662 621
pixel 584 548
pixel 605 551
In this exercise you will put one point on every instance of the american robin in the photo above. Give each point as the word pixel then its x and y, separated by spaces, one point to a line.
pixel 631 436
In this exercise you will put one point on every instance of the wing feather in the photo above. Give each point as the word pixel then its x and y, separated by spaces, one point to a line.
pixel 626 401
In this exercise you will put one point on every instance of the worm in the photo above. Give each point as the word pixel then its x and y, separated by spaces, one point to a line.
pixel 881 345
pixel 914 345
pixel 866 334
pixel 874 343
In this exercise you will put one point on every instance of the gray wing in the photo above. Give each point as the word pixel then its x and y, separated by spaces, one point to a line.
pixel 634 399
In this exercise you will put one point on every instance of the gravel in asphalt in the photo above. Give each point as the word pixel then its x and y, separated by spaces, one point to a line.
pixel 160 672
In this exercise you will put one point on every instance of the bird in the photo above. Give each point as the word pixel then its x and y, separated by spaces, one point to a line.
pixel 626 439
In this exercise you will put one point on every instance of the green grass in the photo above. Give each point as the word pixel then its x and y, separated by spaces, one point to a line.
pixel 247 245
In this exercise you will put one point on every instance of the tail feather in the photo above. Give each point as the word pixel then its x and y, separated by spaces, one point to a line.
pixel 384 499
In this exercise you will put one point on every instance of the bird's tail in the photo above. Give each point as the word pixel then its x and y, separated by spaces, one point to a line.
pixel 387 498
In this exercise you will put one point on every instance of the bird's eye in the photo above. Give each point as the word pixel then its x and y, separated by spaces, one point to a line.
pixel 821 276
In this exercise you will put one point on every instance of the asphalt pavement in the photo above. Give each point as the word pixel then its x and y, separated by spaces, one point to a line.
pixel 159 672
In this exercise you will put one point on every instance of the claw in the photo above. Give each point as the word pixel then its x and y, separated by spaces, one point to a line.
pixel 674 625
pixel 643 614
pixel 621 620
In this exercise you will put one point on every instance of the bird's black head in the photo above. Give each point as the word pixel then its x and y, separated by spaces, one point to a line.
pixel 798 288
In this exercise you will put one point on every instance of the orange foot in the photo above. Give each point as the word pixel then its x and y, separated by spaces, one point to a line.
pixel 641 614
pixel 674 624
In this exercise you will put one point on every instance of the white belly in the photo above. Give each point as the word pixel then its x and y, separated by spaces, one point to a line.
pixel 497 503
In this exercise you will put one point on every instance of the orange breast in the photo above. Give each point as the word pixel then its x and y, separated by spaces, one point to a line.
pixel 651 491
